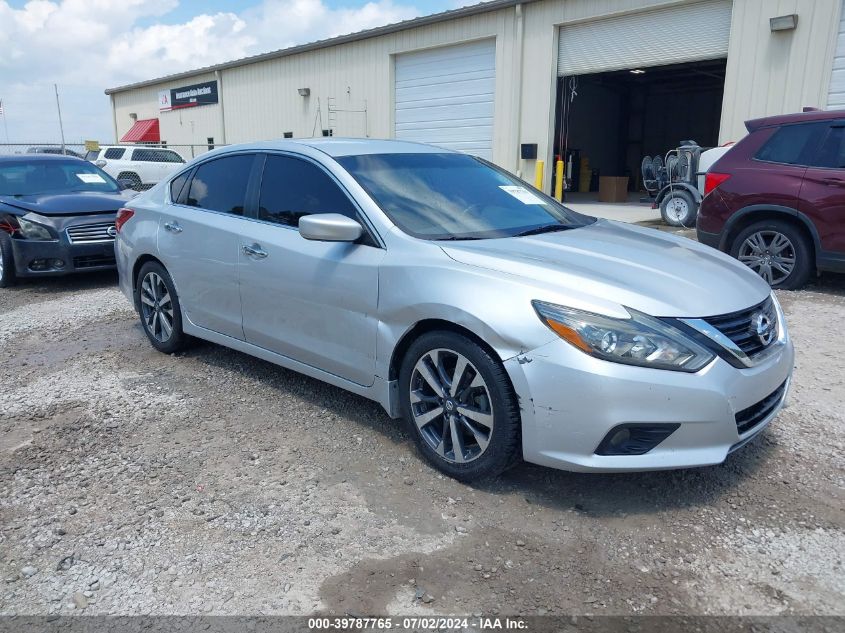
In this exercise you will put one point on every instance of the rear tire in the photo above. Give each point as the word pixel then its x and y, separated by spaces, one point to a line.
pixel 158 306
pixel 470 431
pixel 134 178
pixel 679 209
pixel 7 261
pixel 778 251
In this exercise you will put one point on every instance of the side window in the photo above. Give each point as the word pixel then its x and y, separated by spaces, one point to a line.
pixel 292 188
pixel 220 185
pixel 830 154
pixel 176 187
pixel 114 153
pixel 793 144
pixel 170 157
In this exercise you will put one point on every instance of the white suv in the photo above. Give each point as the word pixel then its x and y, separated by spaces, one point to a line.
pixel 142 166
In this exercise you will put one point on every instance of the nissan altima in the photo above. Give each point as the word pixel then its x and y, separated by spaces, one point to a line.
pixel 499 324
pixel 56 216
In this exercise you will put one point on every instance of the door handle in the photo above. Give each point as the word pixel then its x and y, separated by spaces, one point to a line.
pixel 173 227
pixel 254 251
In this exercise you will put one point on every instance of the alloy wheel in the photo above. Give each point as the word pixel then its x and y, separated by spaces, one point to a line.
pixel 2 264
pixel 156 307
pixel 451 406
pixel 770 254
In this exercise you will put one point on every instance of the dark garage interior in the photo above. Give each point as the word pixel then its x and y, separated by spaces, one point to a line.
pixel 615 118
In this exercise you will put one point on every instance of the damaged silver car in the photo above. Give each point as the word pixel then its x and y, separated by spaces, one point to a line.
pixel 498 323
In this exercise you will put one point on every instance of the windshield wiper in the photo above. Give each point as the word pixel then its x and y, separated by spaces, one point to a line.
pixel 546 228
pixel 457 238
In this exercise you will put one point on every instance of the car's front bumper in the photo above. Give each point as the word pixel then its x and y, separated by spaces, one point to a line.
pixel 570 402
pixel 29 255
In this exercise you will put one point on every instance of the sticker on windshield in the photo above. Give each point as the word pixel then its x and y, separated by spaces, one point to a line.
pixel 522 194
pixel 91 179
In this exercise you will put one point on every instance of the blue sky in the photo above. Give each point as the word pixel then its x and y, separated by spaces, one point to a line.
pixel 86 46
pixel 189 8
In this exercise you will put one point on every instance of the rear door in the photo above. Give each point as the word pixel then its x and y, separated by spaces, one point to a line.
pixel 311 301
pixel 823 190
pixel 199 241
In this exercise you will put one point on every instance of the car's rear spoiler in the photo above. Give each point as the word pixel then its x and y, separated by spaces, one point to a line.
pixel 811 114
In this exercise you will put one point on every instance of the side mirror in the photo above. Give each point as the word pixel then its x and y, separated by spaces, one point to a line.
pixel 125 184
pixel 100 163
pixel 329 227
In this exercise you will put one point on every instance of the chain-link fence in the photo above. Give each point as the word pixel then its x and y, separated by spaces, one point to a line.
pixel 187 152
pixel 142 164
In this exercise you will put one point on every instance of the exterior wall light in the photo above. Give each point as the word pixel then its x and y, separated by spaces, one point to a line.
pixel 304 92
pixel 783 22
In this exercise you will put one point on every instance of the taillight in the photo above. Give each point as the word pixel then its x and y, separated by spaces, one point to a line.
pixel 712 180
pixel 123 216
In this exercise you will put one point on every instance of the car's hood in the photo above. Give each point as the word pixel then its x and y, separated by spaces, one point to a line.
pixel 80 203
pixel 640 268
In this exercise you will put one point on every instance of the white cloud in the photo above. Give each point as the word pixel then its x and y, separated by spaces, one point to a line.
pixel 86 46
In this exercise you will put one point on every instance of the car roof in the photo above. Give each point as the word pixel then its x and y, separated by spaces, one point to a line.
pixel 796 117
pixel 38 158
pixel 337 147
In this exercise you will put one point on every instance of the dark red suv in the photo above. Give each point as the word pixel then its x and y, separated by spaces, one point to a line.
pixel 776 200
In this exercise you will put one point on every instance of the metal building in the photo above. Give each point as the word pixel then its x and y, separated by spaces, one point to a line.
pixel 610 79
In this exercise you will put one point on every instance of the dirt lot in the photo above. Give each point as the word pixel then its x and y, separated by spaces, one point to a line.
pixel 133 482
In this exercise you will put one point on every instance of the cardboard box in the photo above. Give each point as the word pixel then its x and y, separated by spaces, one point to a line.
pixel 613 188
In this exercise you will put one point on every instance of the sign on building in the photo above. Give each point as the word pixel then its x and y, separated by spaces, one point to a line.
pixel 188 96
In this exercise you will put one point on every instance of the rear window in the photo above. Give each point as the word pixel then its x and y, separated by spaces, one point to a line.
pixel 793 144
pixel 114 153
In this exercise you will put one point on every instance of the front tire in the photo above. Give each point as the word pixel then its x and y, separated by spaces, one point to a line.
pixel 679 209
pixel 7 261
pixel 460 406
pixel 777 251
pixel 159 309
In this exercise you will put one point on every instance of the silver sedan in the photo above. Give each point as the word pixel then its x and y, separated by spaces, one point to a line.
pixel 498 323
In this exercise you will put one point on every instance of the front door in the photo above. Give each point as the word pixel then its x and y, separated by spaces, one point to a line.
pixel 198 242
pixel 314 302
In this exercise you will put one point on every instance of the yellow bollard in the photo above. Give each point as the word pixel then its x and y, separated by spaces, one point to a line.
pixel 559 181
pixel 538 174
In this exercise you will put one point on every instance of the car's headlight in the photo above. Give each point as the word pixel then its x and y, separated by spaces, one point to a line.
pixel 640 340
pixel 33 231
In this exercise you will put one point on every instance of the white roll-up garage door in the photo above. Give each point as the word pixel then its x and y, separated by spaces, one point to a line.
pixel 684 33
pixel 836 91
pixel 444 96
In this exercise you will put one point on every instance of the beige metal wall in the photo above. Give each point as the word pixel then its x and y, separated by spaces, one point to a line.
pixel 767 73
pixel 777 72
pixel 184 126
pixel 262 99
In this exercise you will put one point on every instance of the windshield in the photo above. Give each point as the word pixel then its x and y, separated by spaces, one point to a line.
pixel 456 196
pixel 26 178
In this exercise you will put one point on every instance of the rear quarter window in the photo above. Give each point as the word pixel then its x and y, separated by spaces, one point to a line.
pixel 793 144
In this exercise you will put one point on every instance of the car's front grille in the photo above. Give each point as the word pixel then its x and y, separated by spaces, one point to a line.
pixel 741 327
pixel 85 233
pixel 748 418
pixel 93 261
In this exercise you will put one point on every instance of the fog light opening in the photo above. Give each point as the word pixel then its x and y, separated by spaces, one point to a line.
pixel 634 439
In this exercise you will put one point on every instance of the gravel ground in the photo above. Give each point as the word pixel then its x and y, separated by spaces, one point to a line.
pixel 133 482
